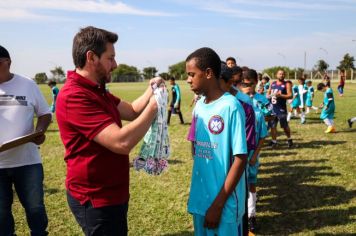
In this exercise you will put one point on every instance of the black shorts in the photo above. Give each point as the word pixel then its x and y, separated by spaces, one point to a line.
pixel 282 118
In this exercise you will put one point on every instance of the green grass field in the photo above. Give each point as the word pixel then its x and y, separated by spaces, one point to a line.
pixel 307 190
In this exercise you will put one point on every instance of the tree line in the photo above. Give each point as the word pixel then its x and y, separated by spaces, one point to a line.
pixel 127 73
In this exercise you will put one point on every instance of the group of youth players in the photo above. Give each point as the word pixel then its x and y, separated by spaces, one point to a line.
pixel 230 122
pixel 227 134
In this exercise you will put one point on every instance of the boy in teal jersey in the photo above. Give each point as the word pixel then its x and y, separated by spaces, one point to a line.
pixel 310 97
pixel 219 149
pixel 294 103
pixel 327 113
pixel 52 84
pixel 248 87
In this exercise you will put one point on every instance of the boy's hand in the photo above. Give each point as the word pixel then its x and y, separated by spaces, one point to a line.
pixel 212 217
pixel 253 160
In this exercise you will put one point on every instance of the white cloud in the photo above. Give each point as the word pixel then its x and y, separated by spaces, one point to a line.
pixel 15 9
pixel 19 14
pixel 300 5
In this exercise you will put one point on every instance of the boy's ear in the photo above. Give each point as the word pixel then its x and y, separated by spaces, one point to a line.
pixel 209 73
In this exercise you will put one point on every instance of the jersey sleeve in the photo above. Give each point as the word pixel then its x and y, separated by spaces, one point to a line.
pixel 177 93
pixel 237 131
pixel 262 128
pixel 192 129
pixel 86 115
pixel 40 104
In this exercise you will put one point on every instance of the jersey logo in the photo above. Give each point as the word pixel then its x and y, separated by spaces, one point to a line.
pixel 216 124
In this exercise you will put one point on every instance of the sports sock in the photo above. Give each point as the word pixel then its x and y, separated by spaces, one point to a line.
pixel 327 122
pixel 353 119
pixel 251 204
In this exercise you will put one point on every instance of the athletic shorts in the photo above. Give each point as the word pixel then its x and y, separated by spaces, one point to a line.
pixel 282 118
pixel 224 229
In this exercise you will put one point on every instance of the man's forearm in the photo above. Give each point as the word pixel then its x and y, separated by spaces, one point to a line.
pixel 43 122
pixel 141 102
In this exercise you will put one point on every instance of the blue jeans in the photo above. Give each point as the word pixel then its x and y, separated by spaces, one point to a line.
pixel 101 221
pixel 340 88
pixel 28 183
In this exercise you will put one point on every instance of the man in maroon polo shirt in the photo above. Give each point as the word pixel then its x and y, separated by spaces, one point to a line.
pixel 96 143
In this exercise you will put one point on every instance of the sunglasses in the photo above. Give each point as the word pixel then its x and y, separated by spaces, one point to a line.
pixel 245 85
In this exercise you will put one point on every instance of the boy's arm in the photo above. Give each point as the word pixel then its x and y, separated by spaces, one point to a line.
pixel 178 96
pixel 213 214
pixel 256 152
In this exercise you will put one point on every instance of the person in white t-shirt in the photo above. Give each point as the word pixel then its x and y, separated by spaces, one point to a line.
pixel 21 167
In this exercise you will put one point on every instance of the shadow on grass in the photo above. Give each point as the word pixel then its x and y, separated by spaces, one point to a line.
pixel 282 145
pixel 346 131
pixel 52 130
pixel 294 197
pixel 183 233
pixel 174 161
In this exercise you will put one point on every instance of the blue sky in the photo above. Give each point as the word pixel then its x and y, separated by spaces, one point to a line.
pixel 259 33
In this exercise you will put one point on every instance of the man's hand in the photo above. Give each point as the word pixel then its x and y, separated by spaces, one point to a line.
pixel 156 81
pixel 212 217
pixel 39 139
pixel 153 103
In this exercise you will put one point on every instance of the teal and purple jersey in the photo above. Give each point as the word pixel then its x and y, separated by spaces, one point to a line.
pixel 261 132
pixel 218 134
pixel 55 92
pixel 262 103
pixel 176 95
pixel 265 88
pixel 329 105
pixel 296 97
pixel 310 95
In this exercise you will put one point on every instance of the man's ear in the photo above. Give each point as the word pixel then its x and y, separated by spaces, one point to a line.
pixel 91 57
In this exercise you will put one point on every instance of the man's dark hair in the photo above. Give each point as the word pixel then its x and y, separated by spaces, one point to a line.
pixel 236 70
pixel 206 58
pixel 90 39
pixel 250 74
pixel 321 86
pixel 4 53
pixel 231 59
pixel 172 78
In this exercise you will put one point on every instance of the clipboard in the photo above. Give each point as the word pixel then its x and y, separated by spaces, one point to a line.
pixel 19 141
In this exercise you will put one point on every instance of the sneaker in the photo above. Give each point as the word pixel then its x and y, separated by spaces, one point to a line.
pixel 252 224
pixel 290 143
pixel 329 129
pixel 350 123
pixel 333 129
pixel 302 120
pixel 272 144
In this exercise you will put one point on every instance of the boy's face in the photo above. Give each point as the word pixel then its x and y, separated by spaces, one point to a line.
pixel 230 63
pixel 236 79
pixel 196 77
pixel 248 86
pixel 309 84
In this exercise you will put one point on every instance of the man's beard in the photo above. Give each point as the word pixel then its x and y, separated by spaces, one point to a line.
pixel 103 77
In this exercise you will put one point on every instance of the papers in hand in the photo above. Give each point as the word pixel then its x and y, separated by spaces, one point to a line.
pixel 19 141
